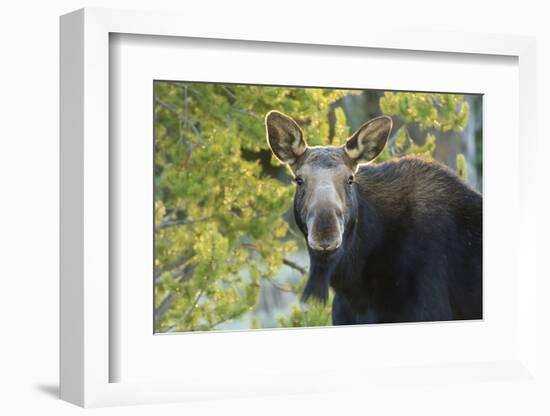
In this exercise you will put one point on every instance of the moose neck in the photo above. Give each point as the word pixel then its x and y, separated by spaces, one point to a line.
pixel 355 250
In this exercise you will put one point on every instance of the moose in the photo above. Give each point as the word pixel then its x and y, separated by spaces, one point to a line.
pixel 398 241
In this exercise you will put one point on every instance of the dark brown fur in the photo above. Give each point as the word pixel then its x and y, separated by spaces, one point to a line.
pixel 397 241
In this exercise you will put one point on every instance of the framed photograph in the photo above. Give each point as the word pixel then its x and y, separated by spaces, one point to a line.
pixel 281 213
pixel 317 225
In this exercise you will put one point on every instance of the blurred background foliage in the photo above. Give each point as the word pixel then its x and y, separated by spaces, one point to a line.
pixel 228 254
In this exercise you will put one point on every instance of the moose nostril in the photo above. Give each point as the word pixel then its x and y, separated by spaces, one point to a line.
pixel 324 246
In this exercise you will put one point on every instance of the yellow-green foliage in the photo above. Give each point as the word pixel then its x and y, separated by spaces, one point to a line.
pixel 220 195
pixel 461 166
pixel 440 111
pixel 403 145
pixel 218 215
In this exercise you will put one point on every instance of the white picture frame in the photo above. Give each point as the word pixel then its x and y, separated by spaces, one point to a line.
pixel 85 353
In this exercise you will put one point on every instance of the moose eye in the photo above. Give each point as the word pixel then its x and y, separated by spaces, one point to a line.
pixel 298 180
pixel 350 180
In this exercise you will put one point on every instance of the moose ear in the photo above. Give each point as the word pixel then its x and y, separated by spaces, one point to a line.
pixel 367 142
pixel 284 137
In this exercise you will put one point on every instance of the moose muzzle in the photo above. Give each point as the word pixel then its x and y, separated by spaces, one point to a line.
pixel 325 230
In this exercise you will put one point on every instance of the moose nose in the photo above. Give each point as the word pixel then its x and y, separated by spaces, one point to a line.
pixel 325 231
pixel 324 246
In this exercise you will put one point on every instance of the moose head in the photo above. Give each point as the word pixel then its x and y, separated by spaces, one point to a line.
pixel 326 196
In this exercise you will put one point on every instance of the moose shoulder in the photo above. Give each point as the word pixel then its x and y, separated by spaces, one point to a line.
pixel 397 241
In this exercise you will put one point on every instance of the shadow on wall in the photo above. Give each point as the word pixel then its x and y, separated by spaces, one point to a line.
pixel 51 390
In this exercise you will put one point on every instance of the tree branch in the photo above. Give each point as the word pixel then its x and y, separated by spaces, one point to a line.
pixel 294 266
pixel 166 223
pixel 185 273
pixel 286 262
pixel 279 287
pixel 183 118
pixel 183 87
pixel 187 313
pixel 245 113
pixel 234 315
pixel 182 275
pixel 171 266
